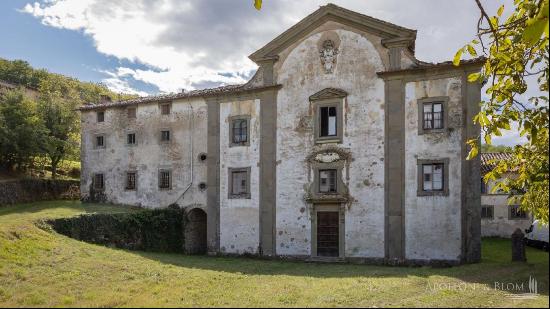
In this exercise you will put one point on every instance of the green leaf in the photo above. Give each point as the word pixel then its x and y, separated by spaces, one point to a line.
pixel 534 30
pixel 472 50
pixel 472 154
pixel 258 4
pixel 458 55
pixel 474 77
pixel 500 10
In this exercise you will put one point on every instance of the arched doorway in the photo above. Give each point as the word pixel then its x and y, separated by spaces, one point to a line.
pixel 195 232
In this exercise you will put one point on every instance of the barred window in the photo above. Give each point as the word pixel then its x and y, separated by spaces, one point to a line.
pixel 432 177
pixel 100 141
pixel 433 116
pixel 98 182
pixel 100 116
pixel 165 109
pixel 131 180
pixel 131 139
pixel 327 181
pixel 165 181
pixel 517 213
pixel 165 136
pixel 487 212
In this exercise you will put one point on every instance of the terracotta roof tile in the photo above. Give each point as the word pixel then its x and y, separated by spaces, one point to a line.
pixel 489 159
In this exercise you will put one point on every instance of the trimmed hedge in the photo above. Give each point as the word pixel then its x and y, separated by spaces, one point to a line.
pixel 158 230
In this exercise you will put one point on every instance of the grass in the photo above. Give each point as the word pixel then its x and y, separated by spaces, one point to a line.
pixel 42 268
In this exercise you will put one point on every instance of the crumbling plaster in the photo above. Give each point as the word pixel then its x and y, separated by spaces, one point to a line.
pixel 301 74
pixel 239 217
pixel 432 223
pixel 187 121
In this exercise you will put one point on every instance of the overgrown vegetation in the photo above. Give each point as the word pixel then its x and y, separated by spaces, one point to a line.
pixel 159 230
pixel 39 119
pixel 495 148
pixel 45 269
pixel 517 71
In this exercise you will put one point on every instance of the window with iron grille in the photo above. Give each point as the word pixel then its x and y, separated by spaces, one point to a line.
pixel 165 136
pixel 240 131
pixel 433 177
pixel 165 179
pixel 517 213
pixel 487 212
pixel 239 182
pixel 328 121
pixel 165 109
pixel 131 180
pixel 327 181
pixel 131 138
pixel 131 112
pixel 433 116
pixel 98 182
pixel 100 141
pixel 100 116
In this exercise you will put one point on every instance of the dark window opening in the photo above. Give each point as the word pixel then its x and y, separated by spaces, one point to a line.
pixel 130 181
pixel 100 116
pixel 131 139
pixel 433 116
pixel 328 121
pixel 487 212
pixel 240 131
pixel 432 176
pixel 165 136
pixel 98 182
pixel 164 179
pixel 517 213
pixel 327 181
pixel 100 141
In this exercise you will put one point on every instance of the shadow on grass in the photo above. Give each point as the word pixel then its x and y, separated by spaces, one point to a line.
pixel 75 205
pixel 496 269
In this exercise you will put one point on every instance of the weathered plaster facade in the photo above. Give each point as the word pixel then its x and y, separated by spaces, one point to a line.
pixel 361 72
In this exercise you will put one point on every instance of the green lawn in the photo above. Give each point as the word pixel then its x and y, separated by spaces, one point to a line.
pixel 41 268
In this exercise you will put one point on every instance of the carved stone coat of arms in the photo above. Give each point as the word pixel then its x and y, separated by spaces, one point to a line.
pixel 328 56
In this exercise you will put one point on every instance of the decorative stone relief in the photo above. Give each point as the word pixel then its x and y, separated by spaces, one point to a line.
pixel 328 55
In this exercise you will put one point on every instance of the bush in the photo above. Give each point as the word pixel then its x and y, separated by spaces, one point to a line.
pixel 158 230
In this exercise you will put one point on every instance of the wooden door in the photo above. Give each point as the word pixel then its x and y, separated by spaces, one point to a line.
pixel 328 229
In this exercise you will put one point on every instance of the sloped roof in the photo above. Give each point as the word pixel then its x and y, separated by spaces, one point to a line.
pixel 331 12
pixel 488 160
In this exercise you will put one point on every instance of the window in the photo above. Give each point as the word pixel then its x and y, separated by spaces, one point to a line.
pixel 100 141
pixel 239 131
pixel 487 212
pixel 100 116
pixel 131 139
pixel 165 108
pixel 131 180
pixel 433 178
pixel 327 181
pixel 165 136
pixel 433 116
pixel 328 121
pixel 131 112
pixel 515 213
pixel 165 179
pixel 239 182
pixel 98 182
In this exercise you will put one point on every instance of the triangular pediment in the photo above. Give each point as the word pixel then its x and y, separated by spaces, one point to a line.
pixel 331 12
pixel 328 93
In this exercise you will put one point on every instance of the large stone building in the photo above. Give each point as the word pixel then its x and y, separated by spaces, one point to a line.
pixel 342 146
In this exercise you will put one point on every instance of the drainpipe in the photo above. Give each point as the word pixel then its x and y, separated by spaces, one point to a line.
pixel 191 132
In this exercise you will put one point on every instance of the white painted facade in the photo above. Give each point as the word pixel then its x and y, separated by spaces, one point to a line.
pixel 296 74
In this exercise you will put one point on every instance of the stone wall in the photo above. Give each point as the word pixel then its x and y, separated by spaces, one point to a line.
pixel 31 190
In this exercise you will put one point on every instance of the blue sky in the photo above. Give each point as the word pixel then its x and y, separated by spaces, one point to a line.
pixel 151 46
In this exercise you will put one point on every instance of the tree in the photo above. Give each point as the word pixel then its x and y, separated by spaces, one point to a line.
pixel 516 51
pixel 21 130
